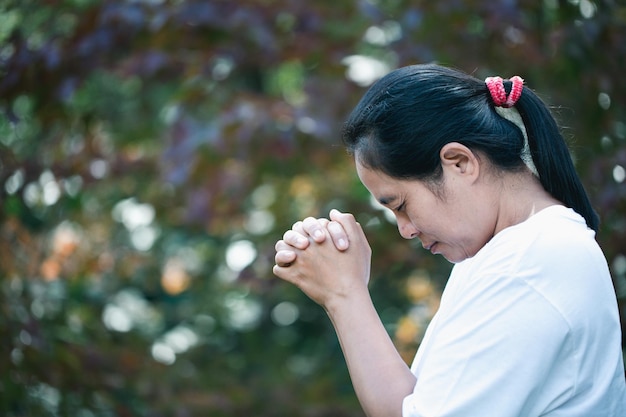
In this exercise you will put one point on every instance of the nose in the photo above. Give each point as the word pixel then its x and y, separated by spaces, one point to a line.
pixel 406 228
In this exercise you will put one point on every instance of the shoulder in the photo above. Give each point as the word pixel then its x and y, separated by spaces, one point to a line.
pixel 556 237
pixel 552 261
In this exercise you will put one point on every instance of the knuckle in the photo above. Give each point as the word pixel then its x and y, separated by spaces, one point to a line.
pixel 348 216
pixel 334 227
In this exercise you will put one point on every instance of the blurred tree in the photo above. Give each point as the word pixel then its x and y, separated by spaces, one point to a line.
pixel 152 151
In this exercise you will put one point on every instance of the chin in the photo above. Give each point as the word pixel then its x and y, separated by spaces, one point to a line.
pixel 455 258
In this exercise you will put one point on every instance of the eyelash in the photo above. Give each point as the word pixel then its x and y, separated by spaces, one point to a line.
pixel 400 208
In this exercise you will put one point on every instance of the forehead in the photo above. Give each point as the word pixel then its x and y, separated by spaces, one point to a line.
pixel 382 187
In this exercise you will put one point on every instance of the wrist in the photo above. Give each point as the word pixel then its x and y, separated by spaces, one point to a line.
pixel 349 302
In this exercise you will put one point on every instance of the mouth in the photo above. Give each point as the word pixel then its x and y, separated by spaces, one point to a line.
pixel 429 247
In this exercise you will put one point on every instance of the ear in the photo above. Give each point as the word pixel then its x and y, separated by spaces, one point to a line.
pixel 458 159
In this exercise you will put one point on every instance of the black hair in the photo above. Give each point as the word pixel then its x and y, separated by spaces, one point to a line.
pixel 406 117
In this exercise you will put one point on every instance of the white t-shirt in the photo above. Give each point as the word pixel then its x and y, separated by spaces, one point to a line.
pixel 527 327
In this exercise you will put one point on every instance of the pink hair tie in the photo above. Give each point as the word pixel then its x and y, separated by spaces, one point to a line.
pixel 504 107
pixel 498 93
pixel 496 89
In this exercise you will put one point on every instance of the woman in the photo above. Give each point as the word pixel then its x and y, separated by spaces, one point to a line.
pixel 478 171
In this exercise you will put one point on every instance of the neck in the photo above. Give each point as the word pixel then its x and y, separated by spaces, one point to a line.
pixel 521 196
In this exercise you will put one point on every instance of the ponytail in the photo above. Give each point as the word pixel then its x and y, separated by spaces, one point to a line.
pixel 552 158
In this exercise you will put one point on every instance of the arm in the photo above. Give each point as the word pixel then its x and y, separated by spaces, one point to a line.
pixel 337 280
pixel 380 377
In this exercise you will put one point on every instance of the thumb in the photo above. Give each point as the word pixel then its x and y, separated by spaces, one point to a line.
pixel 347 221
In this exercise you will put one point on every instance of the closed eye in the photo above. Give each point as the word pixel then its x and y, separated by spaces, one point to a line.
pixel 401 207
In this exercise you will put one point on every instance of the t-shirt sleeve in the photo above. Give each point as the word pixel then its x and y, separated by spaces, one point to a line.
pixel 491 354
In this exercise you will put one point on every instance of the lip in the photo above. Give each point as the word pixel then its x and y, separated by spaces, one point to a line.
pixel 429 247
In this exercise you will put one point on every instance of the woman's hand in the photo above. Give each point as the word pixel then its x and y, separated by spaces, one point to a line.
pixel 337 280
pixel 311 228
pixel 326 266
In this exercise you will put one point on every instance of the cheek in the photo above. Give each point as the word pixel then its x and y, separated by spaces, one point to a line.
pixel 473 239
pixel 457 233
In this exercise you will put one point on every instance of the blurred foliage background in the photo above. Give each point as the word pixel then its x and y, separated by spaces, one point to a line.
pixel 153 151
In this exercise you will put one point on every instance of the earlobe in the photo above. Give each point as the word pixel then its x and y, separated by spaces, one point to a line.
pixel 459 158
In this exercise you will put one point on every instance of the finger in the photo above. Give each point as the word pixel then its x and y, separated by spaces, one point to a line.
pixel 315 228
pixel 340 217
pixel 347 222
pixel 279 271
pixel 338 235
pixel 295 239
pixel 297 227
pixel 282 272
pixel 285 258
pixel 282 245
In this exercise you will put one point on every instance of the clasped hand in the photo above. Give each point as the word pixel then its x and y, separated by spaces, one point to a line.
pixel 327 259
